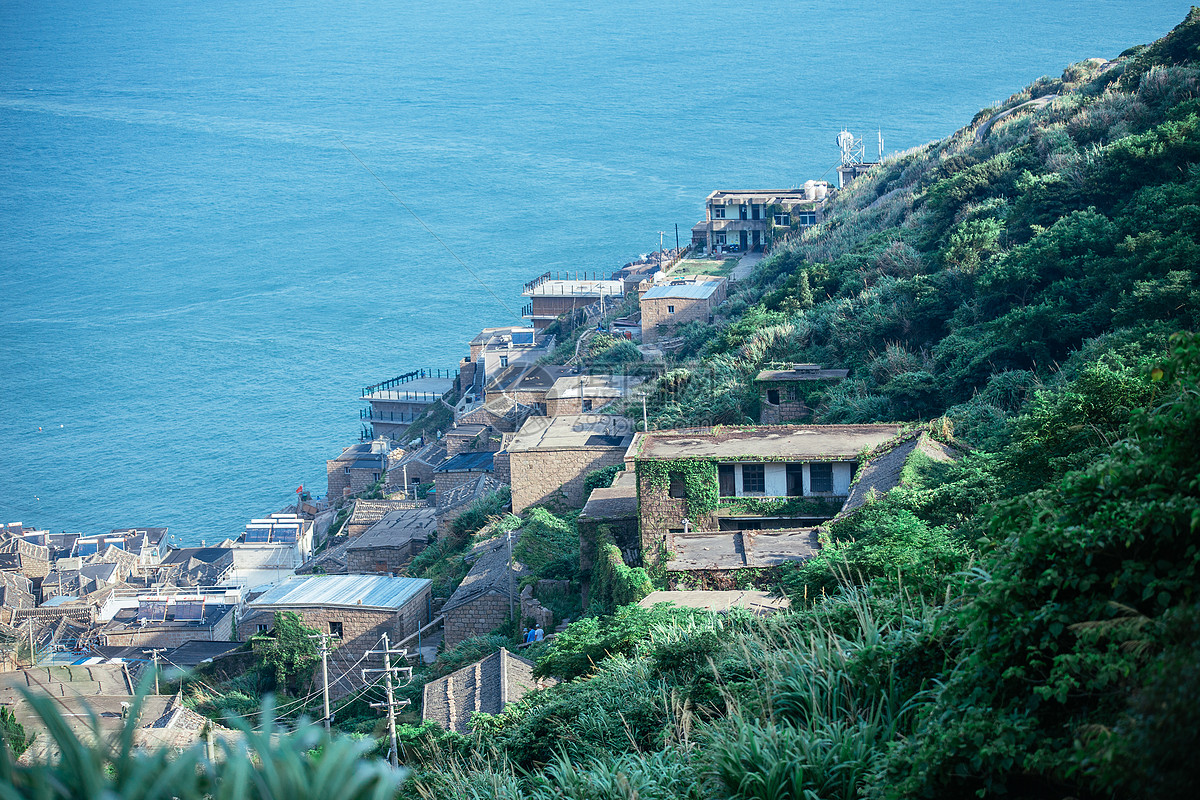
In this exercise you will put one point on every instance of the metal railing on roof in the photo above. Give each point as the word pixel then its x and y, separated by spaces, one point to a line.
pixel 409 376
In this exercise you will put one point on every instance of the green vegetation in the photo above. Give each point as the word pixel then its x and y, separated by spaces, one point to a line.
pixel 1021 622
pixel 704 266
pixel 288 650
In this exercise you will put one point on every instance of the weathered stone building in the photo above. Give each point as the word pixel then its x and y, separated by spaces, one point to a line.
pixel 359 466
pixel 727 497
pixel 550 457
pixel 666 306
pixel 583 394
pixel 784 392
pixel 391 542
pixel 612 511
pixel 461 469
pixel 483 600
pixel 487 686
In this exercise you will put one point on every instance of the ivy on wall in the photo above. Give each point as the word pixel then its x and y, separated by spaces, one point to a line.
pixel 783 506
pixel 698 475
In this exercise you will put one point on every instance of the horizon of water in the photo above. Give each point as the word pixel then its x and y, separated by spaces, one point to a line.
pixel 197 276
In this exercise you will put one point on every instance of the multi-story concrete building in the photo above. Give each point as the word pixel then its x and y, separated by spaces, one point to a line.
pixel 550 298
pixel 495 350
pixel 395 403
pixel 743 221
pixel 665 306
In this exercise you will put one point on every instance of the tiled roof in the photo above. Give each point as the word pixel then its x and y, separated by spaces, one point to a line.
pixel 489 574
pixel 467 462
pixel 486 686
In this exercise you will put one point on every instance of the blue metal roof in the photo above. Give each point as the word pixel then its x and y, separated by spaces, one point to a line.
pixel 354 591
pixel 684 291
pixel 467 462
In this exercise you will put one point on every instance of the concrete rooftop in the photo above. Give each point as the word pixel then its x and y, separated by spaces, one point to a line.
pixel 763 443
pixel 572 432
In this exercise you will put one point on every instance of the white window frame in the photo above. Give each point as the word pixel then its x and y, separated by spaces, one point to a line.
pixel 718 212
pixel 783 220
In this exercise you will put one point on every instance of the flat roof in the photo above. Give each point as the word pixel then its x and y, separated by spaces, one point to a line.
pixel 417 386
pixel 683 291
pixel 764 443
pixel 529 377
pixel 764 195
pixel 575 288
pixel 573 432
pixel 342 591
pixel 802 372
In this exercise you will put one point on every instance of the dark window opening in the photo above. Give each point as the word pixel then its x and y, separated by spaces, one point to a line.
pixel 678 485
pixel 744 210
pixel 586 405
pixel 755 211
pixel 670 309
pixel 795 480
pixel 820 477
pixel 754 478
pixel 773 396
pixel 335 629
pixel 261 628
pixel 725 482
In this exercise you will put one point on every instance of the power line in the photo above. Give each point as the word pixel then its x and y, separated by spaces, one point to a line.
pixel 429 230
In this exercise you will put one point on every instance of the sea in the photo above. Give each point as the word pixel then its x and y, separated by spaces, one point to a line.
pixel 220 220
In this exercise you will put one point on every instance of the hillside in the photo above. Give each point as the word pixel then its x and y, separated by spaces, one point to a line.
pixel 1020 622
pixel 1023 621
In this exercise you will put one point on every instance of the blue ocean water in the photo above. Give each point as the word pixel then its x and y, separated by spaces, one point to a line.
pixel 196 275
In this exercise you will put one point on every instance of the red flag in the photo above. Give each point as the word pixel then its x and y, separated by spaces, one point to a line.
pixel 300 490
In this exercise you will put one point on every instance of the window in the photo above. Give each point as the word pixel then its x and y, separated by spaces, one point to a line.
pixel 504 361
pixel 783 220
pixel 725 482
pixel 718 212
pixel 586 405
pixel 718 238
pixel 795 480
pixel 754 478
pixel 670 309
pixel 347 470
pixel 374 477
pixel 755 211
pixel 745 212
pixel 820 478
pixel 806 218
pixel 678 486
pixel 773 396
pixel 335 629
pixel 260 628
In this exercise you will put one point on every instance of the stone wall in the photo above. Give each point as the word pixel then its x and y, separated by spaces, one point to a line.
pixel 361 628
pixel 502 467
pixel 476 618
pixel 791 406
pixel 542 475
pixel 357 480
pixel 445 481
pixel 655 313
pixel 382 560
pixel 660 516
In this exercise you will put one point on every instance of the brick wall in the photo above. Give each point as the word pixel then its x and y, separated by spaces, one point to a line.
pixel 502 467
pixel 476 618
pixel 541 475
pixel 445 481
pixel 361 628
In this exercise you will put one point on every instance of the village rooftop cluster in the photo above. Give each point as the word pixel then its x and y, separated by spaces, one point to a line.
pixel 88 612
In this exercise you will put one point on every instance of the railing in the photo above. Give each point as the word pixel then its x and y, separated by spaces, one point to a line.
pixel 399 397
pixel 536 282
pixel 409 376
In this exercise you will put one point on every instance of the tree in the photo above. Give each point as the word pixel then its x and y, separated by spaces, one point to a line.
pixel 288 650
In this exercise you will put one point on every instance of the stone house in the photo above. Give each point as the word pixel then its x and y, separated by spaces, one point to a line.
pixel 730 497
pixel 584 394
pixel 499 414
pixel 495 350
pixel 483 600
pixel 668 305
pixel 783 393
pixel 357 468
pixel 367 513
pixel 461 469
pixel 391 542
pixel 355 609
pixel 16 591
pixel 527 384
pixel 744 221
pixel 486 686
pixel 194 566
pixel 549 458
pixel 414 468
pixel 26 557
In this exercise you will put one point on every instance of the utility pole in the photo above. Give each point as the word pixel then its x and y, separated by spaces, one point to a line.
pixel 508 536
pixel 32 651
pixel 677 237
pixel 391 704
pixel 645 424
pixel 154 655
pixel 324 673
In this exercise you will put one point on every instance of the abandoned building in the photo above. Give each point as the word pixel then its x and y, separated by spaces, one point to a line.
pixel 580 394
pixel 357 468
pixel 665 306
pixel 785 393
pixel 705 492
pixel 549 458
pixel 461 469
pixel 391 543
pixel 551 297
pixel 747 221
pixel 487 686
pixel 392 405
pixel 483 600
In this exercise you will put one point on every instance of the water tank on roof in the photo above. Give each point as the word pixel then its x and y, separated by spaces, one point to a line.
pixel 810 190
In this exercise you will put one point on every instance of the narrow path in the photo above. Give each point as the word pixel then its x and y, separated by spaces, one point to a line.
pixel 745 266
pixel 1032 105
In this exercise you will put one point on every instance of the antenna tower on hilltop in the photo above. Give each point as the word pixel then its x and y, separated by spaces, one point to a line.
pixel 852 149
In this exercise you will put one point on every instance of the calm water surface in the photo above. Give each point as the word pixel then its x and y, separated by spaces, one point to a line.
pixel 196 276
